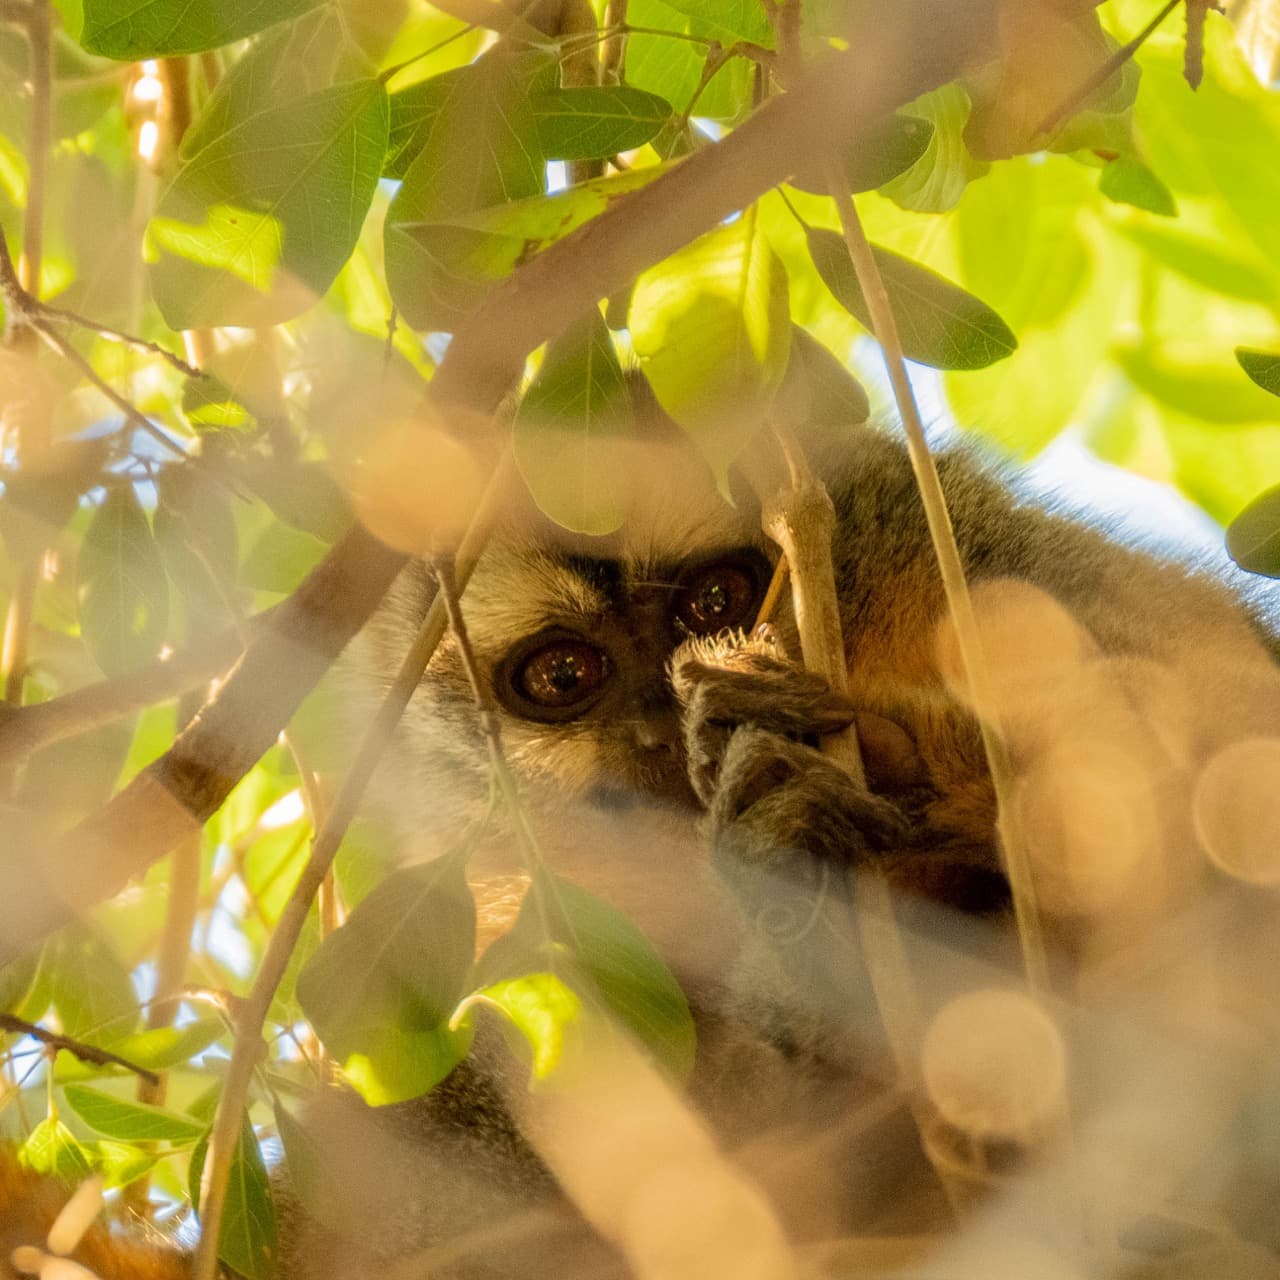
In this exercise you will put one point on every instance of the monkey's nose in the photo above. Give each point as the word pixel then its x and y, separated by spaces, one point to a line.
pixel 659 734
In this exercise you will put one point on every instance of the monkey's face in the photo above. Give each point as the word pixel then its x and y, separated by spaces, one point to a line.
pixel 583 674
pixel 573 636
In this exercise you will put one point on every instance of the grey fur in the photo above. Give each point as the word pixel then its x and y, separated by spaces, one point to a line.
pixel 780 816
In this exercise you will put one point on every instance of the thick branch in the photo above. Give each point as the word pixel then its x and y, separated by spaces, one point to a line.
pixel 27 729
pixel 921 45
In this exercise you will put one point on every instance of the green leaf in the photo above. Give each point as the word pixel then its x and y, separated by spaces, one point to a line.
pixel 939 323
pixel 567 428
pixel 546 1012
pixel 604 957
pixel 397 1064
pixel 818 391
pixel 89 987
pixel 121 584
pixel 133 29
pixel 195 530
pixel 51 1148
pixel 288 63
pixel 733 19
pixel 414 113
pixel 475 248
pixel 256 225
pixel 942 174
pixel 16 982
pixel 164 1047
pixel 597 122
pixel 1210 392
pixel 247 1241
pixel 1253 537
pixel 1126 180
pixel 1204 262
pixel 280 559
pixel 889 149
pixel 672 67
pixel 121 1163
pixel 379 991
pixel 1263 367
pixel 38 501
pixel 129 1121
pixel 712 330
pixel 481 148
pixel 302 494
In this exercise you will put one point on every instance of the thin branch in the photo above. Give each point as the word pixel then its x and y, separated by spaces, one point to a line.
pixel 132 415
pixel 67 316
pixel 27 729
pixel 955 588
pixel 17 12
pixel 1104 73
pixel 77 1048
pixel 252 1014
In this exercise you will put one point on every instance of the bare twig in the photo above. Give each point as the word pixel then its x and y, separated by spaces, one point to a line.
pixel 132 415
pixel 253 1013
pixel 66 1044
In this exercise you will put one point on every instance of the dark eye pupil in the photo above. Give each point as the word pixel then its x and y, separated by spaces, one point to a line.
pixel 565 673
pixel 713 600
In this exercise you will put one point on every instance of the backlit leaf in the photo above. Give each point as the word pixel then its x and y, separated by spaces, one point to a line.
pixel 123 592
pixel 51 1148
pixel 380 990
pixel 132 29
pixel 593 947
pixel 480 148
pixel 542 1008
pixel 127 1120
pixel 712 330
pixel 286 64
pixel 255 226
pixel 566 429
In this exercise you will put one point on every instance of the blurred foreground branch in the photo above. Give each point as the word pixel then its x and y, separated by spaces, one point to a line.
pixel 926 45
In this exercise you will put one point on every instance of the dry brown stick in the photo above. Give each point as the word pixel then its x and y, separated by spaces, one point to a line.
pixel 27 729
pixel 921 44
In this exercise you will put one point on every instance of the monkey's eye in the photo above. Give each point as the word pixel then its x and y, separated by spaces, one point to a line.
pixel 556 679
pixel 715 597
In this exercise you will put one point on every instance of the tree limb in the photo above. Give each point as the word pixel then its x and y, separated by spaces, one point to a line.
pixel 924 44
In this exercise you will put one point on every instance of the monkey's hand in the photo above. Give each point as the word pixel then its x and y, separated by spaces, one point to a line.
pixel 775 803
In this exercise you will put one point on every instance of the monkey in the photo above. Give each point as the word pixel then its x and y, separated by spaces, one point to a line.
pixel 669 755
pixel 670 759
